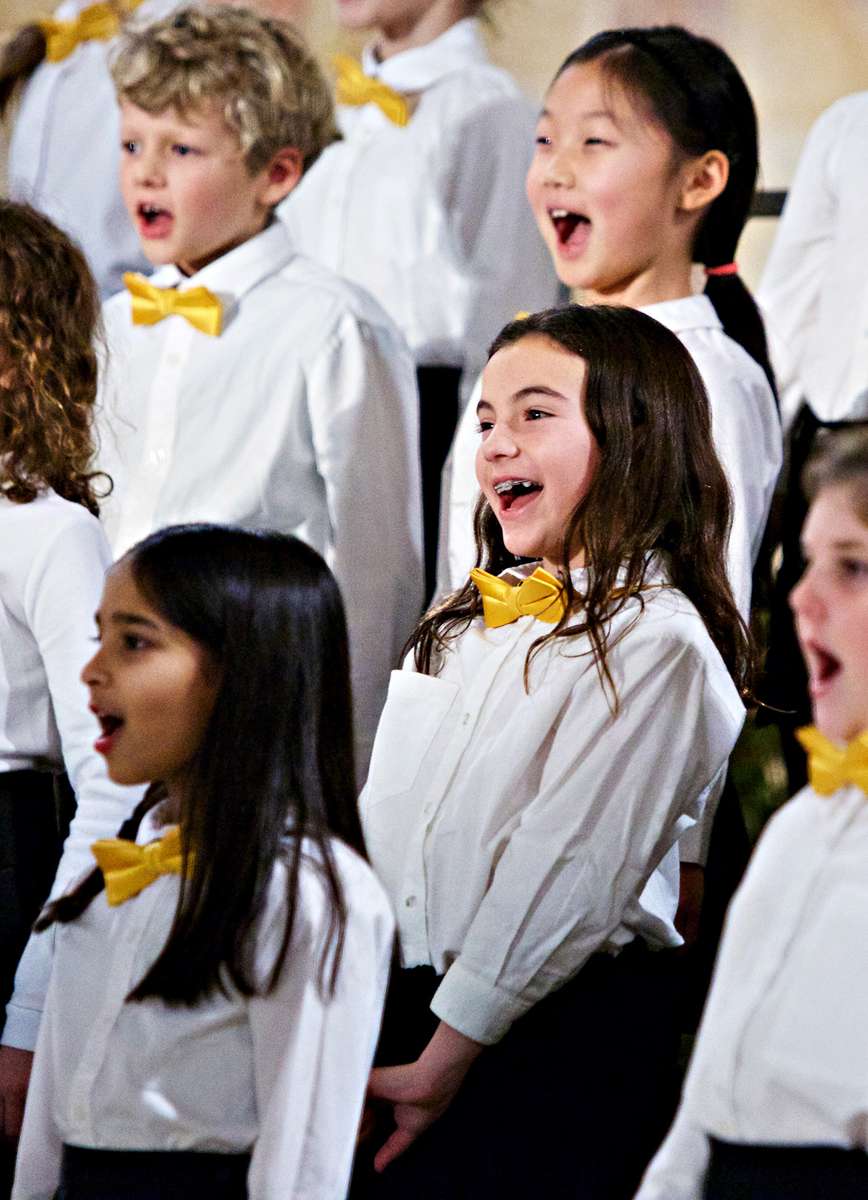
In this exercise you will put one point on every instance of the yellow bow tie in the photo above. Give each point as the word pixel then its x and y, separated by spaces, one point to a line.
pixel 830 767
pixel 197 305
pixel 355 88
pixel 129 868
pixel 540 596
pixel 98 22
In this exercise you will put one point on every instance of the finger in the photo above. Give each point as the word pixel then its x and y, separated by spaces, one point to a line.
pixel 395 1146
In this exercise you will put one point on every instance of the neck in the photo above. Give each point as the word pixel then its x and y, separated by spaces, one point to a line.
pixel 406 33
pixel 669 279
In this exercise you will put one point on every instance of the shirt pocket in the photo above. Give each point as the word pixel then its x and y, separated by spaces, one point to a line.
pixel 818 1034
pixel 416 708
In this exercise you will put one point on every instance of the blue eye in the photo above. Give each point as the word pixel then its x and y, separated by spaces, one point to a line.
pixel 182 150
pixel 129 147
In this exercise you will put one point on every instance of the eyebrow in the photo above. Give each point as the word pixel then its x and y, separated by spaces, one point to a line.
pixel 535 389
pixel 843 544
pixel 125 618
pixel 585 116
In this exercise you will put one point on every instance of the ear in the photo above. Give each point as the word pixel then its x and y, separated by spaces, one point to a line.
pixel 280 175
pixel 703 179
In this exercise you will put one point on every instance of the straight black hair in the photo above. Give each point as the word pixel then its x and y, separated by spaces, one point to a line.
pixel 694 90
pixel 658 489
pixel 275 765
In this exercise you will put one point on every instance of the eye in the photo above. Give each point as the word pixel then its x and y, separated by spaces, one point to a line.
pixel 535 414
pixel 853 568
pixel 129 146
pixel 182 149
pixel 484 427
pixel 596 141
pixel 543 139
pixel 134 642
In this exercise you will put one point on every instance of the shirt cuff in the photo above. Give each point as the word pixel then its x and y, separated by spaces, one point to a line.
pixel 21 1028
pixel 476 1008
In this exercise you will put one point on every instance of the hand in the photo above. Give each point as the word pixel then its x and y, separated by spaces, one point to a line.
pixel 421 1092
pixel 15 1068
pixel 690 894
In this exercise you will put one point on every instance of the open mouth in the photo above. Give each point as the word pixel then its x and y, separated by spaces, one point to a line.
pixel 823 668
pixel 512 491
pixel 154 220
pixel 571 227
pixel 111 725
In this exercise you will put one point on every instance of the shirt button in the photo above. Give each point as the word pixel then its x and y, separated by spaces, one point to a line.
pixel 465 718
pixel 410 902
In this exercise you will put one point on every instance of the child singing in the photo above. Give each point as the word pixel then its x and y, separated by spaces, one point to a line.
pixel 218 977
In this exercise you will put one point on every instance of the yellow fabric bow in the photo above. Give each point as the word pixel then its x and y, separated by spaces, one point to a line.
pixel 354 87
pixel 830 767
pixel 129 868
pixel 197 305
pixel 540 596
pixel 98 22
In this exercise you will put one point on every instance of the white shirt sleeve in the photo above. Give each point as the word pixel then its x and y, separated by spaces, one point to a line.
pixel 606 819
pixel 364 421
pixel 61 595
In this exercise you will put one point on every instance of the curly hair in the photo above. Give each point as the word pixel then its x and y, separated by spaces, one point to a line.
pixel 260 72
pixel 49 320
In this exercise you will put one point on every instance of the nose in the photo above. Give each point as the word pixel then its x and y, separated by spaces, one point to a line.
pixel 806 599
pixel 148 167
pixel 558 168
pixel 93 672
pixel 499 442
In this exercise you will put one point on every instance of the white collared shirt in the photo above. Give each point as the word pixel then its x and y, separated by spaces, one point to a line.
pixel 300 417
pixel 814 289
pixel 782 1053
pixel 745 427
pixel 64 153
pixel 282 1074
pixel 53 556
pixel 518 833
pixel 432 218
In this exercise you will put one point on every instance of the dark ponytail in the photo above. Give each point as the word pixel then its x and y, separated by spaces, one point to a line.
pixel 19 58
pixel 695 91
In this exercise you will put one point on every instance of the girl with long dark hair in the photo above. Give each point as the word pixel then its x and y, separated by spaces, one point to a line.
pixel 559 722
pixel 219 974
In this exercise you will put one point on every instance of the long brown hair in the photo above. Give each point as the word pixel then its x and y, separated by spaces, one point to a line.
pixel 49 319
pixel 658 489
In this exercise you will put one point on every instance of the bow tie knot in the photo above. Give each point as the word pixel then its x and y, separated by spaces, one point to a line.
pixel 355 88
pixel 151 304
pixel 831 767
pixel 98 22
pixel 129 868
pixel 540 596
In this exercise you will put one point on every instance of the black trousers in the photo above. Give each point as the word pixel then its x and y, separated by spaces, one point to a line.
pixel 151 1175
pixel 572 1102
pixel 738 1172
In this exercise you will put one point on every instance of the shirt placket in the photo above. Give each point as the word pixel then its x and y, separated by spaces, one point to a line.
pixel 414 919
pixel 148 477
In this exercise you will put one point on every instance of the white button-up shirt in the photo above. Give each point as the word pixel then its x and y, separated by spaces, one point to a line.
pixel 782 1053
pixel 64 153
pixel 519 832
pixel 745 428
pixel 53 556
pixel 282 1074
pixel 301 417
pixel 814 289
pixel 431 217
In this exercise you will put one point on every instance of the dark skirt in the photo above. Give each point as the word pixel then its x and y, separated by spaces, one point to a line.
pixel 572 1102
pixel 738 1172
pixel 151 1175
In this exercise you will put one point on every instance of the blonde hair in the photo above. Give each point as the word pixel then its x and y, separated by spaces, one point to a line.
pixel 259 72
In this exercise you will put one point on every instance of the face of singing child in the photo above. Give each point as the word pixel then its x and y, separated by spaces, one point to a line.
pixel 537 455
pixel 152 688
pixel 616 205
pixel 830 603
pixel 187 188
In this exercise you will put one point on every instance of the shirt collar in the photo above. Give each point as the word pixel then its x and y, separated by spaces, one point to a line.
pixel 655 573
pixel 690 312
pixel 235 273
pixel 416 69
